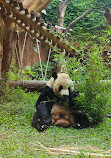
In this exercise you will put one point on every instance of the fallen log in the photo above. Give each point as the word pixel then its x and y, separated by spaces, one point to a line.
pixel 29 85
pixel 37 85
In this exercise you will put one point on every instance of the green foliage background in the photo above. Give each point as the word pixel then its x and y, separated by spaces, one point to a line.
pixel 93 24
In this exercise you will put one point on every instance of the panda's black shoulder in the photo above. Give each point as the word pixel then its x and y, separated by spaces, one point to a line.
pixel 47 94
pixel 47 91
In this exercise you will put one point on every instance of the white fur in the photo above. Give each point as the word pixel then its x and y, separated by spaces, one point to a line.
pixel 62 80
pixel 64 92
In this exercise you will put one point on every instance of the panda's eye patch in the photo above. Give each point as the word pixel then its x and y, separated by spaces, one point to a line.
pixel 60 88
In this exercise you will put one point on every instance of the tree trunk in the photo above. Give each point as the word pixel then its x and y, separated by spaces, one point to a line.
pixel 107 15
pixel 2 30
pixel 9 45
pixel 61 12
pixel 60 20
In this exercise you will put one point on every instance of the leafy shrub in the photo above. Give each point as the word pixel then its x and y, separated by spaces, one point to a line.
pixel 88 73
pixel 35 71
pixel 28 72
pixel 96 93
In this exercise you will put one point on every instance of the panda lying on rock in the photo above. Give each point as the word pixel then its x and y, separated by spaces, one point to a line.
pixel 55 105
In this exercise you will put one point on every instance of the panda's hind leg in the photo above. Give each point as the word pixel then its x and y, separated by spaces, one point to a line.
pixel 37 123
pixel 42 116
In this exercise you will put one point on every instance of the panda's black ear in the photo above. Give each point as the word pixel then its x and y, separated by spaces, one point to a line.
pixel 54 75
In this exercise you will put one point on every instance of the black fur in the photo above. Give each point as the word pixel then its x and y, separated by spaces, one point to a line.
pixel 42 116
pixel 54 75
pixel 81 120
pixel 47 94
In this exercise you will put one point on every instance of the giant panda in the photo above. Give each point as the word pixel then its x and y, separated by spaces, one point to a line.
pixel 55 105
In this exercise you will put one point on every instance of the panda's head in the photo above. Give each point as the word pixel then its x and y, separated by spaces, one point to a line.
pixel 61 84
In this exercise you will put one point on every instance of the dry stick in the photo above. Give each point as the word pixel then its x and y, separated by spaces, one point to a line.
pixel 46 148
pixel 64 151
pixel 78 19
pixel 74 150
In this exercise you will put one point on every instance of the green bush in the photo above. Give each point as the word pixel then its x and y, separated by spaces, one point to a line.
pixel 34 72
pixel 91 80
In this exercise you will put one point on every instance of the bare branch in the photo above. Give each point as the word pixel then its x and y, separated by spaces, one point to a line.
pixel 78 19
